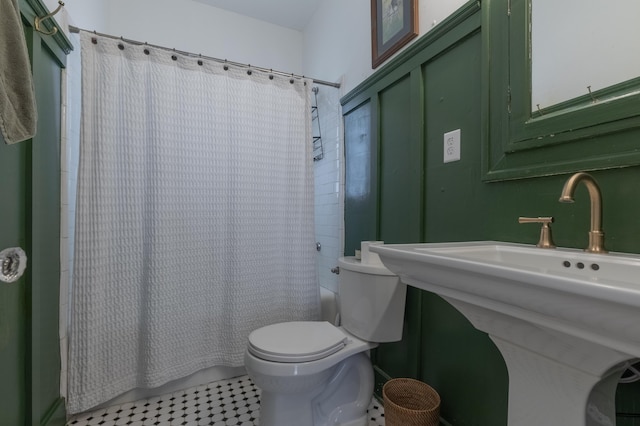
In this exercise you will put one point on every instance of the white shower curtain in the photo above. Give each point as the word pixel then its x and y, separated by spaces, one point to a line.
pixel 194 220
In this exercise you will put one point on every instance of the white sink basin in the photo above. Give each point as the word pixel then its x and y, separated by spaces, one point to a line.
pixel 565 321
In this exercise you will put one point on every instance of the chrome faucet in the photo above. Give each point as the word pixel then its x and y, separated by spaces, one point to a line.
pixel 596 235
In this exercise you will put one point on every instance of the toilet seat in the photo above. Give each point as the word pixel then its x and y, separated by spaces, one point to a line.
pixel 296 341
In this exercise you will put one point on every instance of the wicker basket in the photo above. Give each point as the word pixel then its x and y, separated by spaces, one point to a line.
pixel 409 402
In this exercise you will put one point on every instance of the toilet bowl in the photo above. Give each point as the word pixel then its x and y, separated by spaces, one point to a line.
pixel 312 373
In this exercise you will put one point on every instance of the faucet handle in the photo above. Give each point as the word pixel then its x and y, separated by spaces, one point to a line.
pixel 546 241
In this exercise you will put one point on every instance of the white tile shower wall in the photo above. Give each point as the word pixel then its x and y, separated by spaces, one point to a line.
pixel 329 187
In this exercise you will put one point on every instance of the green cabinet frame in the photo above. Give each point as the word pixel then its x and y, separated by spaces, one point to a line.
pixel 580 134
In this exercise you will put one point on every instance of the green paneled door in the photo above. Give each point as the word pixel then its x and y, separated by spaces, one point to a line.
pixel 12 296
pixel 30 219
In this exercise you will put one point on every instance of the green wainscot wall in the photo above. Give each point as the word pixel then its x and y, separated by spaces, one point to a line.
pixel 399 190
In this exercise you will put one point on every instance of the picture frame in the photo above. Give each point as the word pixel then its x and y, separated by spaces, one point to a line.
pixel 393 24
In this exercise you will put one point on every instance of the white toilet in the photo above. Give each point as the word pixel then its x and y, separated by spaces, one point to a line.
pixel 312 373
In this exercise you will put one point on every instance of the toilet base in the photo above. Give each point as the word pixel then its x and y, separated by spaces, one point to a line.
pixel 342 399
pixel 285 410
pixel 300 415
pixel 362 421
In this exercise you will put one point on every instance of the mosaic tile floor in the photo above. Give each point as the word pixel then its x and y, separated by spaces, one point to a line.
pixel 227 402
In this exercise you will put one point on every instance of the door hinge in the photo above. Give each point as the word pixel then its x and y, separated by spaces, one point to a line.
pixel 508 7
pixel 509 99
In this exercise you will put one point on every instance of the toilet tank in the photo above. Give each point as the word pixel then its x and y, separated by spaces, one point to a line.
pixel 370 300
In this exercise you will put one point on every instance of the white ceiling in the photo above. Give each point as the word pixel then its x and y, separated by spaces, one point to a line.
pixel 294 14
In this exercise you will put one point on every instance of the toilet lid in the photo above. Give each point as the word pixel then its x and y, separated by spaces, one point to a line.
pixel 296 341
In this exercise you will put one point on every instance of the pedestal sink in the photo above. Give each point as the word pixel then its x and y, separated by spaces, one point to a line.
pixel 565 321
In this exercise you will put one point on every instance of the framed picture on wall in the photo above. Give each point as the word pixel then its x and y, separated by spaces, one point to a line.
pixel 393 24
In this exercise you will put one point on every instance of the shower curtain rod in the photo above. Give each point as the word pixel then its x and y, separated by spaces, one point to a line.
pixel 195 55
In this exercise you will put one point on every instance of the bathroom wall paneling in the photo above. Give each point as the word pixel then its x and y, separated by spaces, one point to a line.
pixel 398 189
pixel 30 217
